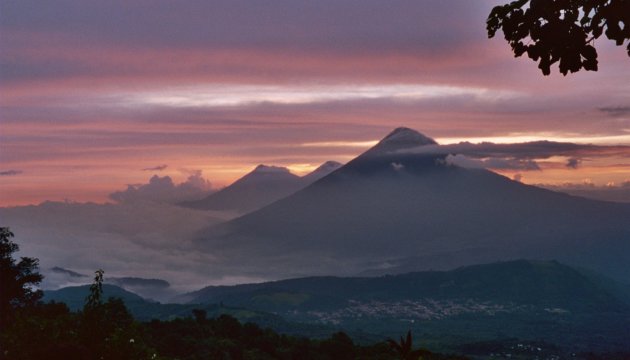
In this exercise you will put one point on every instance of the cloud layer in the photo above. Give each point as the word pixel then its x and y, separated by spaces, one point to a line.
pixel 140 239
pixel 522 156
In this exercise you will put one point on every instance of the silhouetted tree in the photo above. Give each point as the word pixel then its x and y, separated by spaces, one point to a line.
pixel 107 329
pixel 404 347
pixel 17 280
pixel 563 31
pixel 94 299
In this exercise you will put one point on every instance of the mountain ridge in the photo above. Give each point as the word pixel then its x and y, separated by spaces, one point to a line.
pixel 387 206
pixel 260 187
pixel 520 281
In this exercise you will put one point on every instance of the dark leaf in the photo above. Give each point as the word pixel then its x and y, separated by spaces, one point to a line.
pixel 545 65
pixel 589 52
pixel 519 49
pixel 590 65
pixel 533 52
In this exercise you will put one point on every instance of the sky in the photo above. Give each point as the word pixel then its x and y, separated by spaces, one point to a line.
pixel 97 96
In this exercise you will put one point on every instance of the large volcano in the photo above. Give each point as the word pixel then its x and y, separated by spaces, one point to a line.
pixel 395 209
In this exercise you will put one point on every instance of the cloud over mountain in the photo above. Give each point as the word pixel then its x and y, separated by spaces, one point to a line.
pixel 163 189
pixel 492 163
pixel 518 156
pixel 526 150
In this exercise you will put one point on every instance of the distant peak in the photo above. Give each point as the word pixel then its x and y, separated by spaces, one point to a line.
pixel 402 138
pixel 323 170
pixel 267 169
pixel 330 165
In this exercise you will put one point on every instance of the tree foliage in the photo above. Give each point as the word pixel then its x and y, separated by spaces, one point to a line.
pixel 561 31
pixel 96 291
pixel 17 279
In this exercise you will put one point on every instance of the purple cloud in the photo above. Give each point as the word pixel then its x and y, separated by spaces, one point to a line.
pixel 615 110
pixel 10 172
pixel 156 168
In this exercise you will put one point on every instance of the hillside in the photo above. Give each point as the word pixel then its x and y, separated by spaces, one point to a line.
pixel 521 299
pixel 535 301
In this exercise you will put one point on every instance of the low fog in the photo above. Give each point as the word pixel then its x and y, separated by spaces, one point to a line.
pixel 132 238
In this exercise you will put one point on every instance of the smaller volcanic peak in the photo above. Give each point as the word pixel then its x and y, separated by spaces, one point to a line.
pixel 267 173
pixel 323 170
pixel 329 165
pixel 400 139
pixel 261 186
pixel 267 169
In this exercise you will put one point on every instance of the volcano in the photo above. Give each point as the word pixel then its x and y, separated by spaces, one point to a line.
pixel 397 208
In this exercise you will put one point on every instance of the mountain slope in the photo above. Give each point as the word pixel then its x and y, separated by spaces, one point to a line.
pixel 260 187
pixel 145 310
pixel 395 210
pixel 74 296
pixel 538 283
pixel 321 171
pixel 525 299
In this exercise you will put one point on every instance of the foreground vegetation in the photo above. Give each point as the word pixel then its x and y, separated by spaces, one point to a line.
pixel 31 329
pixel 107 331
pixel 99 329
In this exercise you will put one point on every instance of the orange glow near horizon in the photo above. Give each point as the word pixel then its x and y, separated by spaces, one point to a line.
pixel 75 180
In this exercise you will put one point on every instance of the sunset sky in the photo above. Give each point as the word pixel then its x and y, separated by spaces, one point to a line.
pixel 98 95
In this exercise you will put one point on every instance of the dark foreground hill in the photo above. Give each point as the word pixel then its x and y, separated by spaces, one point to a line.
pixel 402 207
pixel 145 310
pixel 533 300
